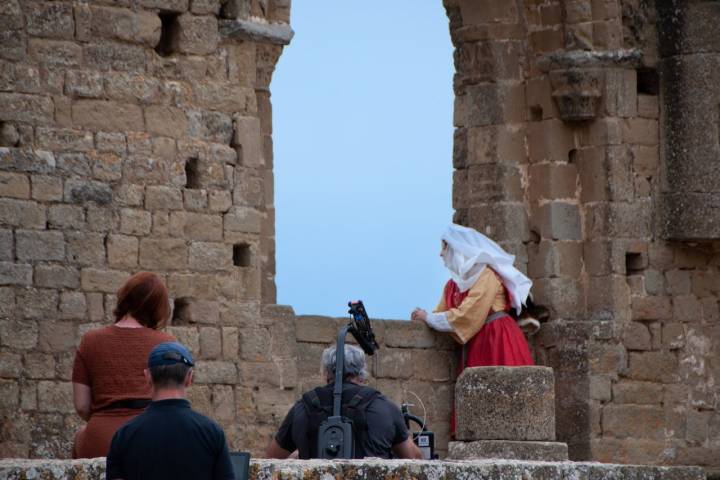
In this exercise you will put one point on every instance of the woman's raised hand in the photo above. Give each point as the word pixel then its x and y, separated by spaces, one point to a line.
pixel 418 315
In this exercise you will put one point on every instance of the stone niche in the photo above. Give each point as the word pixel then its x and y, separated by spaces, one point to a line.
pixel 690 119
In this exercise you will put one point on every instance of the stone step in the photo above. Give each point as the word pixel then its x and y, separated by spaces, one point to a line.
pixel 507 449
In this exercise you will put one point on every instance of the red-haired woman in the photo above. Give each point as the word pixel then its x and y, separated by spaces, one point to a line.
pixel 108 383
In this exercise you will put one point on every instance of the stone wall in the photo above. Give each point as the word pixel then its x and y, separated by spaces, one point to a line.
pixel 558 155
pixel 133 135
pixel 137 135
pixel 15 469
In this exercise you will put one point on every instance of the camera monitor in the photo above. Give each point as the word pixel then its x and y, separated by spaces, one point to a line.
pixel 241 464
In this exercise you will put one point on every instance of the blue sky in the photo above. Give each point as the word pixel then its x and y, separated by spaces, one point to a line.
pixel 362 112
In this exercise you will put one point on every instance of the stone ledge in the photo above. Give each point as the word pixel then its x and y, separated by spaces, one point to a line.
pixel 23 469
pixel 275 33
pixel 509 450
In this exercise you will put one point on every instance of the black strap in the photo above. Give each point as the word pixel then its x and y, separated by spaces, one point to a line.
pixel 127 404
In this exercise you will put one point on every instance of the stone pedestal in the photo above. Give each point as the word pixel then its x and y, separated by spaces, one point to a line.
pixel 506 412
pixel 505 403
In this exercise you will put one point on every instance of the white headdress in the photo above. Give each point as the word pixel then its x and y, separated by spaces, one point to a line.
pixel 469 252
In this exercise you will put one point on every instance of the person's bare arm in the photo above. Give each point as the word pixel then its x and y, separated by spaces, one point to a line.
pixel 82 398
pixel 274 450
pixel 407 449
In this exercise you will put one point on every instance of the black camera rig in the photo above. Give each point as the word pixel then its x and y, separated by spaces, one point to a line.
pixel 335 435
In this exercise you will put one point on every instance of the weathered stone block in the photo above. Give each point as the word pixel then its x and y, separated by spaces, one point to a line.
pixel 58 53
pixel 33 161
pixel 637 337
pixel 230 343
pixel 195 199
pixel 135 222
pixel 505 403
pixel 225 98
pixel 637 392
pixel 50 19
pixel 107 281
pixel 686 308
pixel 486 449
pixel 57 337
pixel 125 25
pixel 73 306
pixel 56 276
pixel 55 396
pixel 634 421
pixel 66 217
pixel 86 249
pixel 163 254
pixel 83 84
pixel 219 201
pixel 46 188
pixel 19 334
pixel 166 121
pixel 241 220
pixel 81 191
pixel 106 115
pixel 651 308
pixel 196 226
pixel 551 259
pixel 247 137
pixel 122 251
pixel 39 365
pixel 115 56
pixel 10 365
pixel 210 342
pixel 14 185
pixel 217 372
pixel 163 198
pixel 40 245
pixel 198 35
pixel 207 256
pixel 653 366
pixel 15 274
pixel 558 221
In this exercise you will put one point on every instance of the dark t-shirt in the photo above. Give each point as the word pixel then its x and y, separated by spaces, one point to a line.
pixel 169 440
pixel 385 428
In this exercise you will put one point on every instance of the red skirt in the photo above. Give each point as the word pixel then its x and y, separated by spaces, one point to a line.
pixel 93 440
pixel 498 343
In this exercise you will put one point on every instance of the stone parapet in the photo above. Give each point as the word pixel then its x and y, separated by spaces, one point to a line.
pixel 505 403
pixel 17 469
pixel 507 449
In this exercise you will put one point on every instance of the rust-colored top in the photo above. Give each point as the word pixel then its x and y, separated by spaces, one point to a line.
pixel 111 361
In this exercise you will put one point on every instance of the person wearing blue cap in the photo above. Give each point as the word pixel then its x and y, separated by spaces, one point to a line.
pixel 169 439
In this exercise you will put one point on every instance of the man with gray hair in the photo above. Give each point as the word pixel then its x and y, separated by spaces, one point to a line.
pixel 378 426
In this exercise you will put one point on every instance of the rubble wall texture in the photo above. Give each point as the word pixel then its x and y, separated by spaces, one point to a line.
pixel 14 469
pixel 569 151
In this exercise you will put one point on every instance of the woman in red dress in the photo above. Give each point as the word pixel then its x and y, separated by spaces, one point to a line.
pixel 109 387
pixel 476 304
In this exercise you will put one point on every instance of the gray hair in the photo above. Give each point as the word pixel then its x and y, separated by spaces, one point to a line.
pixel 354 362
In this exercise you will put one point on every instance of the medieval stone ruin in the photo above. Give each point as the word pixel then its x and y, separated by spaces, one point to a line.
pixel 137 134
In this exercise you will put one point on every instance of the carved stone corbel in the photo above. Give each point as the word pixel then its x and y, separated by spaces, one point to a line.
pixel 577 93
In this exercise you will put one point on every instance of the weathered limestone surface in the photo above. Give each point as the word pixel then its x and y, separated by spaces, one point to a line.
pixel 505 403
pixel 508 449
pixel 15 469
pixel 130 141
pixel 586 134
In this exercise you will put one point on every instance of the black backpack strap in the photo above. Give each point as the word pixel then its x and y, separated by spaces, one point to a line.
pixel 355 409
pixel 313 403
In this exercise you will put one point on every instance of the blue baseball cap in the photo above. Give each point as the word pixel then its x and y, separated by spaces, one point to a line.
pixel 169 353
